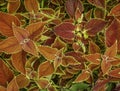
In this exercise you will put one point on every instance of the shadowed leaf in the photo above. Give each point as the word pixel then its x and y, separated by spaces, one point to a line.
pixel 19 60
pixel 94 26
pixel 6 21
pixel 93 48
pixel 45 69
pixel 13 86
pixel 6 74
pixel 13 6
pixel 10 45
pixel 97 3
pixel 83 76
pixel 48 52
pixel 31 5
pixel 65 30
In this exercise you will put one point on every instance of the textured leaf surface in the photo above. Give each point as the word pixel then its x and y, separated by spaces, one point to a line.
pixel 48 52
pixel 13 6
pixel 115 10
pixel 65 30
pixel 31 5
pixel 6 21
pixel 46 69
pixel 10 45
pixel 19 60
pixel 115 73
pixel 6 74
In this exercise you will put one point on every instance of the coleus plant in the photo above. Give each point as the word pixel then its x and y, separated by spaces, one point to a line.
pixel 54 45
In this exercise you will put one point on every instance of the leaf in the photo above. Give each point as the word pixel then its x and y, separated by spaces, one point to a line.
pixel 58 43
pixel 2 88
pixel 30 47
pixel 43 83
pixel 13 86
pixel 22 81
pixel 45 69
pixel 93 58
pixel 113 33
pixel 69 60
pixel 65 30
pixel 72 5
pixel 19 60
pixel 105 66
pixel 115 11
pixel 111 51
pixel 100 84
pixel 94 26
pixel 6 74
pixel 20 33
pixel 115 73
pixel 93 48
pixel 10 45
pixel 97 3
pixel 35 29
pixel 13 6
pixel 83 76
pixel 31 5
pixel 48 52
pixel 6 21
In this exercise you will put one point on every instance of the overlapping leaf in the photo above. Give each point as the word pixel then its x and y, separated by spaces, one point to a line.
pixel 19 60
pixel 31 5
pixel 6 74
pixel 97 3
pixel 6 21
pixel 45 69
pixel 10 45
pixel 115 11
pixel 113 33
pixel 48 52
pixel 65 30
pixel 115 73
pixel 13 6
pixel 94 26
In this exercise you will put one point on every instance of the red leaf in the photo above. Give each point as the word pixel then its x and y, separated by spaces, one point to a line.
pixel 111 51
pixel 83 76
pixel 45 69
pixel 31 5
pixel 100 84
pixel 35 29
pixel 115 11
pixel 13 86
pixel 94 26
pixel 65 30
pixel 113 33
pixel 6 21
pixel 72 5
pixel 115 73
pixel 13 6
pixel 30 47
pixel 48 52
pixel 2 88
pixel 97 3
pixel 19 60
pixel 10 45
pixel 6 74
pixel 94 58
